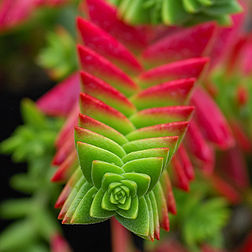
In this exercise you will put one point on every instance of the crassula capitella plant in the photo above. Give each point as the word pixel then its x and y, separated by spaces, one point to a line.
pixel 134 112
pixel 180 12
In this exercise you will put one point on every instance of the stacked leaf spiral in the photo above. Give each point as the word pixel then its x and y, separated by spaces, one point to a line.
pixel 129 127
pixel 176 12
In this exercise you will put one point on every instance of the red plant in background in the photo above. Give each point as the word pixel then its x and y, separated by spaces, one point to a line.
pixel 247 245
pixel 14 12
pixel 58 244
pixel 230 85
pixel 231 176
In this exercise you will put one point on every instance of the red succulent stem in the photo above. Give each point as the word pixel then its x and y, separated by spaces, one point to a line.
pixel 120 237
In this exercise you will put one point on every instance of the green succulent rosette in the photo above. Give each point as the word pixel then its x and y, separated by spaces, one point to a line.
pixel 122 192
pixel 176 12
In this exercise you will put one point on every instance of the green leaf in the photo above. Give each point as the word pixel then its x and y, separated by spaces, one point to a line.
pixel 140 225
pixel 173 12
pixel 150 166
pixel 158 152
pixel 99 169
pixel 109 178
pixel 142 180
pixel 155 210
pixel 16 208
pixel 32 115
pixel 59 54
pixel 37 248
pixel 89 137
pixel 131 185
pixel 201 220
pixel 76 201
pixel 23 183
pixel 88 153
pixel 17 236
pixel 133 212
pixel 10 145
pixel 106 204
pixel 82 212
pixel 151 216
pixel 45 223
pixel 191 6
pixel 96 209
pixel 127 204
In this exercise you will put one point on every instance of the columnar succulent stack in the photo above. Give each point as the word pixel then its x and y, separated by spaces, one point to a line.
pixel 133 119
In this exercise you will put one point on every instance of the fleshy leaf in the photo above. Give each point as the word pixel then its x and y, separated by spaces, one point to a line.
pixel 82 212
pixel 96 210
pixel 151 117
pixel 162 207
pixel 133 212
pixel 181 45
pixel 142 180
pixel 102 112
pixel 152 143
pixel 79 196
pixel 109 178
pixel 107 46
pixel 99 169
pixel 89 137
pixel 71 197
pixel 190 68
pixel 106 204
pixel 151 217
pixel 155 152
pixel 149 166
pixel 89 123
pixel 140 224
pixel 160 130
pixel 104 92
pixel 88 153
pixel 100 67
pixel 155 214
pixel 131 184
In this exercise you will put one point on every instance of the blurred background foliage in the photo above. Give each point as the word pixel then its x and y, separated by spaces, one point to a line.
pixel 32 143
pixel 26 47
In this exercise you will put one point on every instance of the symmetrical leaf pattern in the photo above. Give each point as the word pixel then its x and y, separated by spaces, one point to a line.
pixel 134 113
pixel 179 12
pixel 126 136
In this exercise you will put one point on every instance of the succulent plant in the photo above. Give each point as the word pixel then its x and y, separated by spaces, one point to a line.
pixel 123 145
pixel 179 12
pixel 127 133
pixel 134 115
